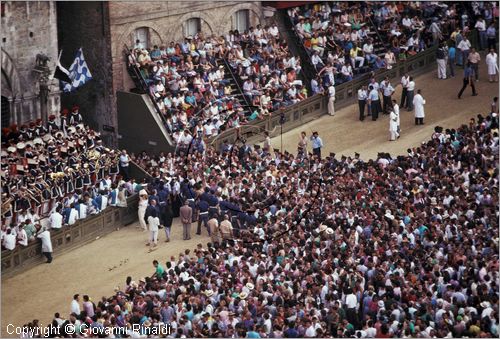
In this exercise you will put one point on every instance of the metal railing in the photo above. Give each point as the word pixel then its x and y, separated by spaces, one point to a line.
pixel 382 41
pixel 145 87
pixel 237 83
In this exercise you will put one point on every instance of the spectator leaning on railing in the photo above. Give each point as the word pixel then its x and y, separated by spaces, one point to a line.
pixel 64 175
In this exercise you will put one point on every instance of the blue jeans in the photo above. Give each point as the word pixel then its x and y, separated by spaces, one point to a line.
pixel 451 62
pixel 460 58
pixel 465 56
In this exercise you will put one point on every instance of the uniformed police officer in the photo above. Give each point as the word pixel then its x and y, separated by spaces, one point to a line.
pixel 362 96
pixel 203 207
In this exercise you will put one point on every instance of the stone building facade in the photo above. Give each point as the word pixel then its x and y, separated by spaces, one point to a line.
pixel 28 29
pixel 85 24
pixel 102 30
pixel 161 22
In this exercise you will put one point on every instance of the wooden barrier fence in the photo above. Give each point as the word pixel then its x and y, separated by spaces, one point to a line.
pixel 70 237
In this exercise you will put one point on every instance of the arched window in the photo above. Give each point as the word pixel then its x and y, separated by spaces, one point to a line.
pixel 192 26
pixel 141 37
pixel 241 20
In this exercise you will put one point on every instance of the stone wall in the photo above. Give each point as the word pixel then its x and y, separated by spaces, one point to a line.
pixel 28 28
pixel 86 25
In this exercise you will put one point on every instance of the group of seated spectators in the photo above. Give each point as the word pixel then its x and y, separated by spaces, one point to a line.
pixel 189 84
pixel 345 39
pixel 53 175
pixel 187 80
pixel 402 246
pixel 261 59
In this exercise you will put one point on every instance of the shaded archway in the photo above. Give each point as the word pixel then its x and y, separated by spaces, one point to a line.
pixel 10 76
pixel 5 120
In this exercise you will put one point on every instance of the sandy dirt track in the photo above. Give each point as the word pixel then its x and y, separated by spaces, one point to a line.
pixel 46 289
pixel 345 134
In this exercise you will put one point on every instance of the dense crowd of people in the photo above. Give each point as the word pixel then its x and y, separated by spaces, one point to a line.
pixel 267 69
pixel 187 81
pixel 341 37
pixel 54 174
pixel 318 247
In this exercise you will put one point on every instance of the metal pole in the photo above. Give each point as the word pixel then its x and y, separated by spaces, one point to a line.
pixel 281 138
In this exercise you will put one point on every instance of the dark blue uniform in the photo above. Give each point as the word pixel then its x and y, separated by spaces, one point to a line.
pixel 213 201
pixel 188 194
pixel 162 203
pixel 203 217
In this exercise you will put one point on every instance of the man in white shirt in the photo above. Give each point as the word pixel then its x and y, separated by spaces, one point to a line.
pixel 368 50
pixel 153 223
pixel 481 28
pixel 56 219
pixel 124 165
pixel 22 237
pixel 387 91
pixel 464 46
pixel 248 89
pixel 410 94
pixel 44 235
pixel 351 302
pixel 311 330
pixel 405 79
pixel 75 305
pixel 73 215
pixel 347 72
pixel 316 61
pixel 362 97
pixel 184 140
pixel 273 30
pixel 407 23
pixel 9 240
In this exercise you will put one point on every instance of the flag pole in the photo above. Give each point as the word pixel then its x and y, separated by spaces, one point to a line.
pixel 57 64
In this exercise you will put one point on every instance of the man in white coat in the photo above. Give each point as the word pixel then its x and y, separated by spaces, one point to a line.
pixel 44 235
pixel 153 223
pixel 143 205
pixel 418 103
pixel 492 63
pixel 394 121
pixel 331 100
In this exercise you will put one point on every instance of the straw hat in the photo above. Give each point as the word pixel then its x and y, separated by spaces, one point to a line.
pixel 250 286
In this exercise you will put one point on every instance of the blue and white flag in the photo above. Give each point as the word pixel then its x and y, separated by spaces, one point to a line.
pixel 78 72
